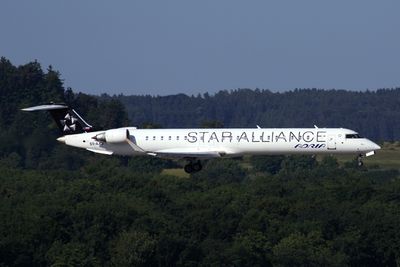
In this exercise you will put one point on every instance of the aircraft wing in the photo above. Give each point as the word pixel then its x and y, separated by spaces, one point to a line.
pixel 186 153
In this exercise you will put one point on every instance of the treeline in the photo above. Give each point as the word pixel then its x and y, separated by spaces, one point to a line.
pixel 28 139
pixel 61 206
pixel 375 114
pixel 110 214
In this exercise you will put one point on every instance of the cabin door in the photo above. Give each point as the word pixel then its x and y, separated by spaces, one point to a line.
pixel 331 142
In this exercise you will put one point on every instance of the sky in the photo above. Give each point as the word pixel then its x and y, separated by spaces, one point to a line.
pixel 169 47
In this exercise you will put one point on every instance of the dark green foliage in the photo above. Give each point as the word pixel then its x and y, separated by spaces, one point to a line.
pixel 375 114
pixel 211 124
pixel 298 163
pixel 269 164
pixel 312 249
pixel 251 248
pixel 217 172
pixel 63 207
pixel 31 136
pixel 133 249
pixel 150 164
pixel 109 214
pixel 149 125
pixel 329 162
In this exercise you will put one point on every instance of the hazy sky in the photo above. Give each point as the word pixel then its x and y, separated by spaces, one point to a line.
pixel 167 47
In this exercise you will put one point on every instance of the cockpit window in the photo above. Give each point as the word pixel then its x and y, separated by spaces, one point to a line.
pixel 348 136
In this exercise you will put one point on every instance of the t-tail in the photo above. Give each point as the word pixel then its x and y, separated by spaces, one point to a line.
pixel 66 118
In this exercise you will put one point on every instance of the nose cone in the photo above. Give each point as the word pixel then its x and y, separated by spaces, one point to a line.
pixel 377 147
pixel 61 139
pixel 374 146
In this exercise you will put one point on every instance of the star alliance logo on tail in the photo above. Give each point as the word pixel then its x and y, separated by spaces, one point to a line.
pixel 69 123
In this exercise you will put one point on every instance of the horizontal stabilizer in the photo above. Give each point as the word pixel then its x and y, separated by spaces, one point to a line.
pixel 45 107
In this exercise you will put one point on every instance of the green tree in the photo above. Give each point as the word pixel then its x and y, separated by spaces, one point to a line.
pixel 306 250
pixel 251 248
pixel 212 124
pixel 70 254
pixel 270 164
pixel 297 163
pixel 134 249
pixel 217 172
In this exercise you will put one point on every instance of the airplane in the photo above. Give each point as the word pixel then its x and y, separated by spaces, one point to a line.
pixel 194 145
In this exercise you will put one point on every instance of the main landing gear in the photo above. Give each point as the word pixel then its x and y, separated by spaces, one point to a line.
pixel 193 166
pixel 359 160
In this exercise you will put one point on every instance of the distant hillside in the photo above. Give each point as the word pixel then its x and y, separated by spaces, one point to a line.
pixel 28 139
pixel 62 206
pixel 375 114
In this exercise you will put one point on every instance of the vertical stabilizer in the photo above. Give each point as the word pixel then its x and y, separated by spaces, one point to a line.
pixel 66 118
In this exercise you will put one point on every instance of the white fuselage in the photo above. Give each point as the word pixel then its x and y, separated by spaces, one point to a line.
pixel 229 142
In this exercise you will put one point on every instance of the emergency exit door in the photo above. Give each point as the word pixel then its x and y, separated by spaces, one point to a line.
pixel 331 142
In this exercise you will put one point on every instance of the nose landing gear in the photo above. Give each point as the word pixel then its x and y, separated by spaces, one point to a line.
pixel 359 160
pixel 193 166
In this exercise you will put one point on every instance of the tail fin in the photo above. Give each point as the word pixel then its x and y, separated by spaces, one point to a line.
pixel 66 118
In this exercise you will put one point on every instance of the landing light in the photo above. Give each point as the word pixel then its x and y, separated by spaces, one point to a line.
pixel 371 153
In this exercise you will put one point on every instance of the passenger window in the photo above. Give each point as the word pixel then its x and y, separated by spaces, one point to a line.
pixel 177 138
pixel 170 137
pixel 162 138
pixel 154 138
pixel 147 138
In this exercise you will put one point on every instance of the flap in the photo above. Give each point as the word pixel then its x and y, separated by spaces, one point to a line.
pixel 186 153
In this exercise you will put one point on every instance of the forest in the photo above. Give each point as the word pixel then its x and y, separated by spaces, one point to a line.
pixel 61 206
pixel 375 114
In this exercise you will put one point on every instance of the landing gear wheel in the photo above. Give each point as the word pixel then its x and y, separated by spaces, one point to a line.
pixel 360 163
pixel 197 166
pixel 193 167
pixel 189 168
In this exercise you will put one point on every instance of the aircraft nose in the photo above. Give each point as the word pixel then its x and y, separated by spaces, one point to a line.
pixel 375 146
pixel 61 139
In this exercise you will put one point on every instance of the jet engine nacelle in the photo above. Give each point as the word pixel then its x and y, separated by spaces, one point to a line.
pixel 113 136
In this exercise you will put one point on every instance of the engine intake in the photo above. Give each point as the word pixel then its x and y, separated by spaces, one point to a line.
pixel 113 136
